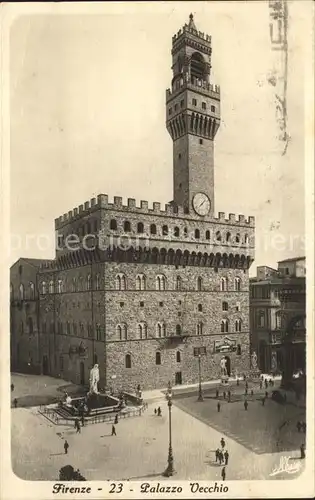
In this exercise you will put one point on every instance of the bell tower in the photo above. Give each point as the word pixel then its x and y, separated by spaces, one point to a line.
pixel 192 120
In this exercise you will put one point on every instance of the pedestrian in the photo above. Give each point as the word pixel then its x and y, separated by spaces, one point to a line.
pixel 66 446
pixel 299 426
pixel 159 412
pixel 266 383
pixel 229 396
pixel 222 442
pixel 114 431
pixel 12 387
pixel 302 448
pixel 304 427
pixel 226 456
pixel 237 382
pixel 218 406
pixel 155 411
pixel 217 393
pixel 217 455
pixel 246 384
pixel 252 392
pixel 15 402
pixel 260 384
pixel 116 419
pixel 245 404
pixel 223 474
pixel 263 401
pixel 246 391
pixel 221 457
pixel 266 394
pixel 224 394
pixel 82 420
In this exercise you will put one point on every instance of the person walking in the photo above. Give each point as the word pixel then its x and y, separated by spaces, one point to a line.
pixel 302 448
pixel 299 426
pixel 12 387
pixel 155 411
pixel 263 401
pixel 82 420
pixel 217 455
pixel 218 406
pixel 116 419
pixel 159 412
pixel 223 474
pixel 245 404
pixel 260 384
pixel 246 391
pixel 266 394
pixel 246 385
pixel 114 431
pixel 238 381
pixel 221 457
pixel 222 442
pixel 266 383
pixel 252 392
pixel 226 457
pixel 229 396
pixel 217 393
pixel 66 446
pixel 15 402
pixel 224 394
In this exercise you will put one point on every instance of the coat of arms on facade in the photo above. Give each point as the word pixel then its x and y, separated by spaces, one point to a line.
pixel 224 345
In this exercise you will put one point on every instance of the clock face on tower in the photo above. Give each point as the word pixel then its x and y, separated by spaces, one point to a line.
pixel 201 204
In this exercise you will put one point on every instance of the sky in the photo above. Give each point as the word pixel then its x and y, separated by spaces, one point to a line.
pixel 87 116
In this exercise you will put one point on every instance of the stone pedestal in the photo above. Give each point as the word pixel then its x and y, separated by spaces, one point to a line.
pixel 254 374
pixel 224 380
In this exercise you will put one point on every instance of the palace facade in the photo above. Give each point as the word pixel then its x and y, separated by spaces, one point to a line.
pixel 138 288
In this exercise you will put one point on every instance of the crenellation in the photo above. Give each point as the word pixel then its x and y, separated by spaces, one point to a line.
pixel 156 207
pixel 241 218
pixel 221 216
pixel 251 220
pixel 75 212
pixel 93 202
pixel 102 200
pixel 70 215
pixel 131 203
pixel 118 201
pixel 232 218
pixel 144 205
pixel 86 205
pixel 81 209
pixel 169 209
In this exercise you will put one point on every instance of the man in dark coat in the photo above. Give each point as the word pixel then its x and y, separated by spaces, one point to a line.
pixel 116 419
pixel 218 406
pixel 217 455
pixel 217 393
pixel 15 402
pixel 302 448
pixel 223 474
pixel 113 431
pixel 245 404
pixel 222 442
pixel 226 456
pixel 66 446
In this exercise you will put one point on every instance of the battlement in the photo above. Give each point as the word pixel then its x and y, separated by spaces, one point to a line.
pixel 194 84
pixel 189 30
pixel 102 202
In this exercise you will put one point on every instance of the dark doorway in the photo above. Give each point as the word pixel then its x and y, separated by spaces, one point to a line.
pixel 45 365
pixel 228 366
pixel 178 378
pixel 82 379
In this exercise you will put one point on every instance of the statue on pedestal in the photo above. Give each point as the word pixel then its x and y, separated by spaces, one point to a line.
pixel 94 379
pixel 223 366
pixel 254 361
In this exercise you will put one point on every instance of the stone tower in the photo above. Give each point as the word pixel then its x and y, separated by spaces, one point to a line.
pixel 192 120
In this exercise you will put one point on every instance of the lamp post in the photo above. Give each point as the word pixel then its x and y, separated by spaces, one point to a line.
pixel 200 396
pixel 169 471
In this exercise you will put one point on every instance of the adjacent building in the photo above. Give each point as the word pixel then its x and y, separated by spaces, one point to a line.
pixel 277 312
pixel 139 289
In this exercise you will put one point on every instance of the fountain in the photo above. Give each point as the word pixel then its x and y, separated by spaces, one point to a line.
pixel 93 403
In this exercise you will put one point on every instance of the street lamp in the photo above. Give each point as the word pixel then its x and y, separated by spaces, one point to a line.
pixel 200 396
pixel 169 471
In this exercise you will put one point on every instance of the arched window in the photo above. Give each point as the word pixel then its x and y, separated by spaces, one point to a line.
pixel 246 239
pixel 11 292
pixel 74 329
pixel 199 284
pixel 185 232
pixel 51 287
pixel 224 326
pixel 30 325
pixel 261 318
pixel 128 361
pixel 176 231
pixel 122 331
pixel 238 325
pixel 225 306
pixel 160 282
pixel 158 358
pixel 89 282
pixel 197 234
pixel 178 356
pixel 82 329
pixel 32 291
pixel 200 307
pixel 21 291
pixel 59 287
pixel 161 330
pixel 140 282
pixel 237 238
pixel 223 284
pixel 80 284
pixel 178 283
pixel 140 227
pixel 197 67
pixel 142 330
pixel 74 284
pixel 178 330
pixel 207 235
pixel 218 236
pixel 228 237
pixel 121 282
pixel 113 224
pixel 165 230
pixel 127 227
pixel 200 328
pixel 153 229
pixel 68 328
pixel 44 287
pixel 239 349
pixel 97 282
pixel 98 332
pixel 237 284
